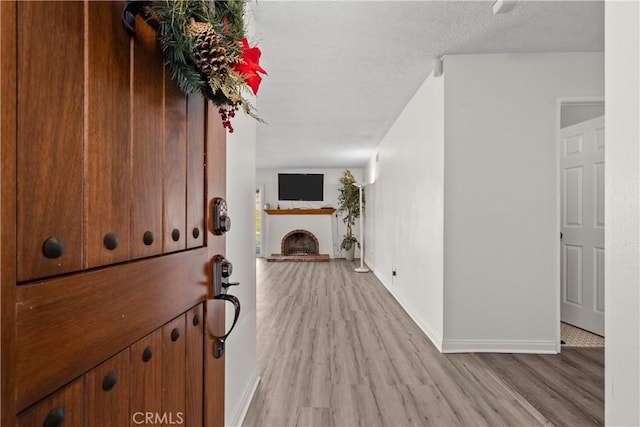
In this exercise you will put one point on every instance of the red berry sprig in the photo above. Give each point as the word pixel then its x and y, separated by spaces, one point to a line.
pixel 227 113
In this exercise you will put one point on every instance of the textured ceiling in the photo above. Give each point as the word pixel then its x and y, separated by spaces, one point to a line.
pixel 340 72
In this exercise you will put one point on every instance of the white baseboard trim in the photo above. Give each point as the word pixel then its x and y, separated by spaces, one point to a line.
pixel 470 346
pixel 499 346
pixel 436 339
pixel 241 410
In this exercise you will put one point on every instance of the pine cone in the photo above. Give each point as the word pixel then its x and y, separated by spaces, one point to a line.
pixel 209 55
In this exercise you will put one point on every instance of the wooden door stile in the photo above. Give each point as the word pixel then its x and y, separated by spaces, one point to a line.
pixel 216 173
pixel 8 235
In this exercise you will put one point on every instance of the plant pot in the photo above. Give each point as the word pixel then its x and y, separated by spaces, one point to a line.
pixel 348 253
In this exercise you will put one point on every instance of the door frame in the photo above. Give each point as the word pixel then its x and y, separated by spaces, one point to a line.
pixel 263 230
pixel 8 159
pixel 560 101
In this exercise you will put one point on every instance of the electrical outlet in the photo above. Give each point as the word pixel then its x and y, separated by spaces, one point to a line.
pixel 394 272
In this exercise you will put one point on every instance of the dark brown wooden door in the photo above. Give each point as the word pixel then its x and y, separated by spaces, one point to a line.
pixel 107 174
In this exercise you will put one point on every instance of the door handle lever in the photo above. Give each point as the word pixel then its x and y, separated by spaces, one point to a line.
pixel 221 271
pixel 226 285
pixel 218 345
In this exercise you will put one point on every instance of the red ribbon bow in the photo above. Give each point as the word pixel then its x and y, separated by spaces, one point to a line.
pixel 249 67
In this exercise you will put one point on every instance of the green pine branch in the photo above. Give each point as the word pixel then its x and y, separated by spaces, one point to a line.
pixel 227 19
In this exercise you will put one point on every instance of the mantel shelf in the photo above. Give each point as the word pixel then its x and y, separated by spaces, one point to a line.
pixel 300 211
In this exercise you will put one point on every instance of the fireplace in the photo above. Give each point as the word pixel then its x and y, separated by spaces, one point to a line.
pixel 299 242
pixel 299 245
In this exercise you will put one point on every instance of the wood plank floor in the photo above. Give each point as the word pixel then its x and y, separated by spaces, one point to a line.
pixel 335 349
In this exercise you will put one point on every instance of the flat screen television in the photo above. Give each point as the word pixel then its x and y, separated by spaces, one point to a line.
pixel 301 186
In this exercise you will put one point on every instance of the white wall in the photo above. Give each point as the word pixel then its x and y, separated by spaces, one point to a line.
pixel 622 207
pixel 465 200
pixel 240 354
pixel 501 196
pixel 405 207
pixel 274 226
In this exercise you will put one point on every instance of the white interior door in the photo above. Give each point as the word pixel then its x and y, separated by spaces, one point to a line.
pixel 582 213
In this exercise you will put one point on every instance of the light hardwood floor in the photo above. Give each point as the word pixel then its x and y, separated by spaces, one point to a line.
pixel 336 349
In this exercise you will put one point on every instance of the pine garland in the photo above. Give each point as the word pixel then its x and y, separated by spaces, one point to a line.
pixel 200 44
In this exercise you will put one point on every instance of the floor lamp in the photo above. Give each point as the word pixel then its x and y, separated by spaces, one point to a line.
pixel 362 268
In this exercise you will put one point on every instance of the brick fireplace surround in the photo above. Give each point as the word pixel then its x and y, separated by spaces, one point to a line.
pixel 299 246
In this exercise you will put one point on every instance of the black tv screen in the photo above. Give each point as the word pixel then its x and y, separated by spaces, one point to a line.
pixel 301 186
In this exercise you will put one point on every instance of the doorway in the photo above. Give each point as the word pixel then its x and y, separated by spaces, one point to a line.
pixel 581 215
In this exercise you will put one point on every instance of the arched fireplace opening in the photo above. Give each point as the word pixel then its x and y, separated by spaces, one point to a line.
pixel 299 243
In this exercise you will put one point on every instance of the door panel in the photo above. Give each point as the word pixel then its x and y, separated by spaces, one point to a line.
pixel 175 181
pixel 194 337
pixel 598 206
pixel 108 392
pixel 573 198
pixel 108 165
pixel 64 405
pixel 146 376
pixel 582 213
pixel 195 171
pixel 50 145
pixel 147 144
pixel 573 275
pixel 174 368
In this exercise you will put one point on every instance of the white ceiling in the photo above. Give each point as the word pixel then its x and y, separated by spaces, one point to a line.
pixel 340 72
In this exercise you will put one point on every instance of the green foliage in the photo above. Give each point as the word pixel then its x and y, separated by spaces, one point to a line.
pixel 233 11
pixel 349 203
pixel 347 242
pixel 227 19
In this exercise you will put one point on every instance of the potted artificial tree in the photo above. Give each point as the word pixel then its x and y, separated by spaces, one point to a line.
pixel 349 203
